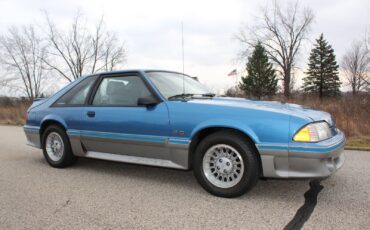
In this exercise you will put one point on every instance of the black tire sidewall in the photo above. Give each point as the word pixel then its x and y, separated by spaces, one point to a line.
pixel 67 152
pixel 250 174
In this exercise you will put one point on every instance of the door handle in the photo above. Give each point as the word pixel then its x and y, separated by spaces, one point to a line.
pixel 90 114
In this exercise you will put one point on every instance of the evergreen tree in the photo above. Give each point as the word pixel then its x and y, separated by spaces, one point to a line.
pixel 261 79
pixel 322 70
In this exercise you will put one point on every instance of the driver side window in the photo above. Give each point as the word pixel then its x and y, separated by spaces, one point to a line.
pixel 120 91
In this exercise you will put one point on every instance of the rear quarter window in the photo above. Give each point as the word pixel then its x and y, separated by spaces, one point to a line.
pixel 78 94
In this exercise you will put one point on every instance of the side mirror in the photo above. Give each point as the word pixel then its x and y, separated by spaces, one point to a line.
pixel 147 101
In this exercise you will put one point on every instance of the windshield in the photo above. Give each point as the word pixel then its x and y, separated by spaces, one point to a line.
pixel 173 84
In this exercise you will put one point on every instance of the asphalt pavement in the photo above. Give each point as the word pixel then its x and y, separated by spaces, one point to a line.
pixel 106 195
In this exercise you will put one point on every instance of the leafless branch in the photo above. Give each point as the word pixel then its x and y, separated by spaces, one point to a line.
pixel 80 50
pixel 356 67
pixel 281 31
pixel 22 52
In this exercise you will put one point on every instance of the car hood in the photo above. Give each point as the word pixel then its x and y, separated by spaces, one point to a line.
pixel 269 106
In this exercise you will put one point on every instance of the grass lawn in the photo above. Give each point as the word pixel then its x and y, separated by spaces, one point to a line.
pixel 360 142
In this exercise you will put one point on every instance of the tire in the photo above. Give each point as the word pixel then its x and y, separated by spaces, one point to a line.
pixel 222 178
pixel 57 157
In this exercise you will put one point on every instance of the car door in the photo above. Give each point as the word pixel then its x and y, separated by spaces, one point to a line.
pixel 114 123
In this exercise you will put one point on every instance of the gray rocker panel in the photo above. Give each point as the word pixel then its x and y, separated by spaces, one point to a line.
pixel 138 149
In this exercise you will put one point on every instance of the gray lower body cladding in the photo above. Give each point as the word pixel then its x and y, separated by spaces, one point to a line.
pixel 174 153
pixel 157 151
pixel 301 164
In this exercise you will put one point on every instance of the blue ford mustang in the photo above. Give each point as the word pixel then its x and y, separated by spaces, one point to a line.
pixel 167 119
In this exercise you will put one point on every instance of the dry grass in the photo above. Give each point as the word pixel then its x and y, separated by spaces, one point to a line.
pixel 359 142
pixel 352 115
pixel 13 114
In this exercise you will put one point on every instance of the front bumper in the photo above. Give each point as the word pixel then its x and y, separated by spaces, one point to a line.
pixel 303 160
pixel 32 135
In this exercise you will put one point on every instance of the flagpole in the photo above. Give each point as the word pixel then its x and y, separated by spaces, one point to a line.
pixel 183 57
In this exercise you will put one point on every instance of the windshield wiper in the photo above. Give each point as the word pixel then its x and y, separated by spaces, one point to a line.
pixel 190 95
pixel 180 96
pixel 208 94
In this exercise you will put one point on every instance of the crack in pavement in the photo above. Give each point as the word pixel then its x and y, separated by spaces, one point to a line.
pixel 63 206
pixel 305 211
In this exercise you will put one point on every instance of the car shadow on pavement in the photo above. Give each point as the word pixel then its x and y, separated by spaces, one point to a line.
pixel 266 189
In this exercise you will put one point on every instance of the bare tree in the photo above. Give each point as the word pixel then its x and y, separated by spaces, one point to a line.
pixel 113 53
pixel 22 52
pixel 281 31
pixel 356 67
pixel 80 50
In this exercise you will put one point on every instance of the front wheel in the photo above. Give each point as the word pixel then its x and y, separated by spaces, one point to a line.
pixel 226 164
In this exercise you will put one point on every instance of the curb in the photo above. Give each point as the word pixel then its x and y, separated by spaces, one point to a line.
pixel 357 148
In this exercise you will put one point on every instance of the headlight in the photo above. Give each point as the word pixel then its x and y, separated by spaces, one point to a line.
pixel 313 132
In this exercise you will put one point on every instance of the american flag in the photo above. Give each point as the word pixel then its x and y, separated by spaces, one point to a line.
pixel 232 73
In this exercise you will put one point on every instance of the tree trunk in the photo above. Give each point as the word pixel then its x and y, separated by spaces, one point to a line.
pixel 287 83
pixel 354 88
pixel 321 85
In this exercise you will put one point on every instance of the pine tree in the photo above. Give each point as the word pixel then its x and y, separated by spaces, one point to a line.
pixel 261 79
pixel 322 70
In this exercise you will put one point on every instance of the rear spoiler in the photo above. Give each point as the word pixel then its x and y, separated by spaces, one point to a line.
pixel 36 102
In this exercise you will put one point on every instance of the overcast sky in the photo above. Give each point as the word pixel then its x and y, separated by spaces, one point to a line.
pixel 152 29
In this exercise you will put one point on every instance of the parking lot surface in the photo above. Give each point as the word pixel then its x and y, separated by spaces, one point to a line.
pixel 106 195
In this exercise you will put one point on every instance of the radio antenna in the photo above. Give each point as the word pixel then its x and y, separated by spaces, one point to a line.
pixel 183 57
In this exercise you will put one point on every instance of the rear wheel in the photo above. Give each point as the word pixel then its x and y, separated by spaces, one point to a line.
pixel 56 147
pixel 226 164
